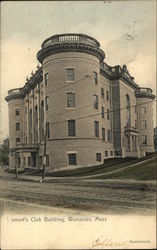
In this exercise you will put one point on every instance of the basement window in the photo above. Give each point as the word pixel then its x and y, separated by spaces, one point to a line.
pixel 72 159
pixel 98 157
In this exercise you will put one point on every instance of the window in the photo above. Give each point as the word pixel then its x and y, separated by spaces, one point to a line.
pixel 103 134
pixel 70 74
pixel 17 126
pixel 29 161
pixel 127 143
pixel 108 114
pixel 102 112
pixel 123 141
pixel 117 153
pixel 111 153
pixel 47 160
pixel 107 95
pixel 71 100
pixel 96 128
pixel 42 120
pixel 17 112
pixel 98 157
pixel 144 124
pixel 135 143
pixel 135 123
pixel 95 77
pixel 17 140
pixel 143 110
pixel 102 93
pixel 30 125
pixel 71 128
pixel 72 159
pixel 47 103
pixel 19 160
pixel 48 130
pixel 109 135
pixel 144 139
pixel 46 79
pixel 95 101
pixel 106 153
pixel 36 123
pixel 128 112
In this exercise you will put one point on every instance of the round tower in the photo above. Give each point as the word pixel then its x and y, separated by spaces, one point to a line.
pixel 145 120
pixel 71 66
pixel 15 105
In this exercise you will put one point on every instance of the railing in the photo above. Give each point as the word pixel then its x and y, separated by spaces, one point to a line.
pixel 144 90
pixel 27 145
pixel 106 68
pixel 14 91
pixel 70 38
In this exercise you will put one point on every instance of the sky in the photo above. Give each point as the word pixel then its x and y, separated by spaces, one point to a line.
pixel 126 31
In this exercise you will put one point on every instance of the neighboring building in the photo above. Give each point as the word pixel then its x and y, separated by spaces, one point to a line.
pixel 93 111
pixel 155 139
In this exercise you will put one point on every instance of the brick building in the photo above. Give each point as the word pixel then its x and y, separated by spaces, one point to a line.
pixel 93 111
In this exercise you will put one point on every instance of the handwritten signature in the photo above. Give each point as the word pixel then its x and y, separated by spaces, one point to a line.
pixel 109 243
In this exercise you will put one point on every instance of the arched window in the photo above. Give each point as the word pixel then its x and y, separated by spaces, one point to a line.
pixel 42 120
pixel 128 114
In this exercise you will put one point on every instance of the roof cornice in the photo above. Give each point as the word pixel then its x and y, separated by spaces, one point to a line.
pixel 70 47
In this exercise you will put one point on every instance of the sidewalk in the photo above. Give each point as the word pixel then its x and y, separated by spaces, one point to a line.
pixel 107 183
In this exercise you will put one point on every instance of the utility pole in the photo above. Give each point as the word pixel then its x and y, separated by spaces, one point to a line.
pixel 44 156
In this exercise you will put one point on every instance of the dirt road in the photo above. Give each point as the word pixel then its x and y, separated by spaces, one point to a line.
pixel 22 196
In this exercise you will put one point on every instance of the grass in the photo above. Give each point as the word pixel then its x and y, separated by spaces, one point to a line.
pixel 107 166
pixel 25 171
pixel 86 170
pixel 145 171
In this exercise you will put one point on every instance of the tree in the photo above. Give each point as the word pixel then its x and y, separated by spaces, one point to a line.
pixel 4 152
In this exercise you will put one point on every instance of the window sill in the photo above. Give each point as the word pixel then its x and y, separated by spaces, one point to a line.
pixel 70 108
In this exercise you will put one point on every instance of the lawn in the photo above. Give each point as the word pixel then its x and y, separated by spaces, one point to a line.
pixel 145 171
pixel 107 166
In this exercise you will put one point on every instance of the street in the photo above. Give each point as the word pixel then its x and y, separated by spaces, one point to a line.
pixel 18 196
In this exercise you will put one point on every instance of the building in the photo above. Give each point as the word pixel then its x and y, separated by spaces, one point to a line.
pixel 92 111
pixel 155 138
